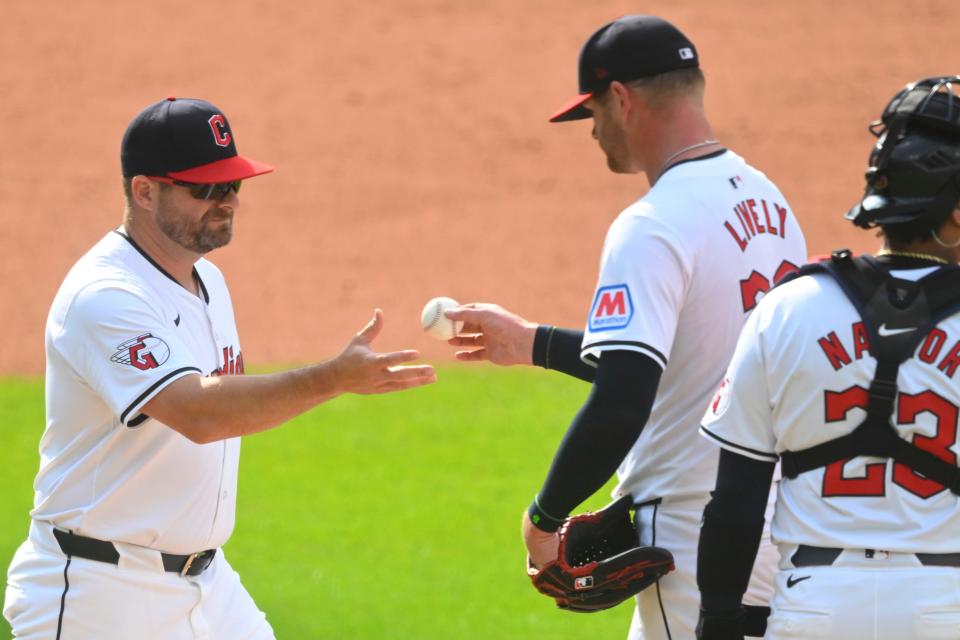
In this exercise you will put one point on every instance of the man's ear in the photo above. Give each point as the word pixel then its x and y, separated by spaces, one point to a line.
pixel 145 192
pixel 622 100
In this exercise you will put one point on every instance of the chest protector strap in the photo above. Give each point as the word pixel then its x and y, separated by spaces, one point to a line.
pixel 898 315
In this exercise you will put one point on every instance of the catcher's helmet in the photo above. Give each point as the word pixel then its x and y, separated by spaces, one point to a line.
pixel 913 181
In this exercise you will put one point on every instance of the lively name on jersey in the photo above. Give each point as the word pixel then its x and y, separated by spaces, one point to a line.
pixel 931 351
pixel 753 218
pixel 612 308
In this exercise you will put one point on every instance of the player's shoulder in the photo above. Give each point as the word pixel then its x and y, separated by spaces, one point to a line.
pixel 725 164
pixel 654 212
pixel 801 294
pixel 695 190
pixel 214 282
pixel 208 270
pixel 642 224
pixel 91 300
pixel 106 266
pixel 719 176
pixel 109 279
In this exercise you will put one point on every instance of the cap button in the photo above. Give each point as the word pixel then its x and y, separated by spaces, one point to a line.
pixel 172 98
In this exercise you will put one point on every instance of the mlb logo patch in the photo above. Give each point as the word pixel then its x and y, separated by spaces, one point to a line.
pixel 612 308
pixel 686 53
pixel 584 582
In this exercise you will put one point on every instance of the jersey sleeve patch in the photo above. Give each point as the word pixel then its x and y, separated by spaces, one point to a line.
pixel 142 352
pixel 612 308
pixel 120 344
pixel 721 399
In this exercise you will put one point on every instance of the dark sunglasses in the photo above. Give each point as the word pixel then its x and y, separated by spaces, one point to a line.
pixel 217 191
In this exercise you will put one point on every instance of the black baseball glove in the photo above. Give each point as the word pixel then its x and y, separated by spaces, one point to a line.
pixel 599 564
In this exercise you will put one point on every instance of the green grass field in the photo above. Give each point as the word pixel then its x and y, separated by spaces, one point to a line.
pixel 380 517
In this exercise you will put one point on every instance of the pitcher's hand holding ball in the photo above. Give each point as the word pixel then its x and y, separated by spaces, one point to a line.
pixel 492 333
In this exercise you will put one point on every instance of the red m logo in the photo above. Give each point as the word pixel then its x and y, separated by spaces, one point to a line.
pixel 611 303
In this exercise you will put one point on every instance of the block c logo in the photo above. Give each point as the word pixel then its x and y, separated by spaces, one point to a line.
pixel 221 135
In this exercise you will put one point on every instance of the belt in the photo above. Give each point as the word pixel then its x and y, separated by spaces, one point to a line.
pixel 103 551
pixel 807 556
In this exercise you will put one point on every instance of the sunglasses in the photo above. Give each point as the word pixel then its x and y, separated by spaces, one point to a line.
pixel 217 191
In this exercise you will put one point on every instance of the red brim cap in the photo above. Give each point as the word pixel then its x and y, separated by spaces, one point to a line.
pixel 226 170
pixel 573 110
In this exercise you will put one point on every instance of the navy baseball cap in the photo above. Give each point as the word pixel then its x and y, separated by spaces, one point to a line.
pixel 185 139
pixel 630 48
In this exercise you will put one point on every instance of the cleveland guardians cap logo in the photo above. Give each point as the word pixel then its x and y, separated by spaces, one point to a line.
pixel 612 308
pixel 144 352
pixel 221 135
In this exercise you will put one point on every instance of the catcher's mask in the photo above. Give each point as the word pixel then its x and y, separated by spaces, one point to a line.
pixel 913 180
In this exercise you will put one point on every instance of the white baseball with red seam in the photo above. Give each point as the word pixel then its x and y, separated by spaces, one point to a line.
pixel 435 323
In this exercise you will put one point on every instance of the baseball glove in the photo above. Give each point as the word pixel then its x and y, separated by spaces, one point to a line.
pixel 599 564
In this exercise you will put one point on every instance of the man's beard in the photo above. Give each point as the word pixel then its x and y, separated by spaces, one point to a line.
pixel 197 236
pixel 614 146
pixel 614 165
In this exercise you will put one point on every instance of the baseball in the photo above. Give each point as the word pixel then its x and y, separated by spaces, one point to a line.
pixel 435 323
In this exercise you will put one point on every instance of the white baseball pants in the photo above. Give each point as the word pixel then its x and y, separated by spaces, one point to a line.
pixel 889 596
pixel 49 599
pixel 669 609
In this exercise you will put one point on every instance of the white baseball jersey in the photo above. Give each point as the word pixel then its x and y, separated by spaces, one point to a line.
pixel 680 270
pixel 120 330
pixel 799 377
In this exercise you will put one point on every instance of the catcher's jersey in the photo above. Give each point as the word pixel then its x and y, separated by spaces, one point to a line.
pixel 120 330
pixel 679 272
pixel 799 377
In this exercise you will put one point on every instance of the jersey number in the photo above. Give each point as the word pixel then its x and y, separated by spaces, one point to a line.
pixel 909 406
pixel 752 288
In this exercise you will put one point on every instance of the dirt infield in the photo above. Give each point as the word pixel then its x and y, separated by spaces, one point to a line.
pixel 414 157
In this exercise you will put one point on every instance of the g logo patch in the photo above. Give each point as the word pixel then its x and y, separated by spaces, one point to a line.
pixel 143 352
pixel 721 399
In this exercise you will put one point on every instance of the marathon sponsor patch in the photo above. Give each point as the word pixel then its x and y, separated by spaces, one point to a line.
pixel 146 351
pixel 612 308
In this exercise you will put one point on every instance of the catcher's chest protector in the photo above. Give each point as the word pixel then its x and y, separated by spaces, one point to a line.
pixel 898 315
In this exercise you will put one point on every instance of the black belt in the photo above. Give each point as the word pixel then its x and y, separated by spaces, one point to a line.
pixel 103 551
pixel 807 556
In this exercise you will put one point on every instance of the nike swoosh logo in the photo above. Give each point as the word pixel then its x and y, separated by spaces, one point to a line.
pixel 884 332
pixel 792 581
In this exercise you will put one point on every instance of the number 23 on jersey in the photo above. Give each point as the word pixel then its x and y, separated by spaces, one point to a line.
pixel 909 408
